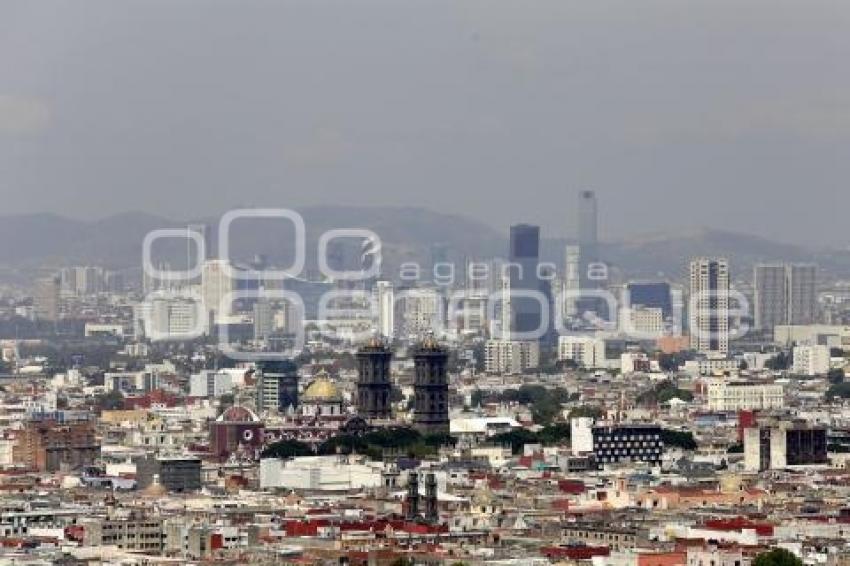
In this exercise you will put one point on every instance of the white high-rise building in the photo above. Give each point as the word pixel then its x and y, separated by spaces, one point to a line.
pixel 385 304
pixel 505 325
pixel 642 321
pixel 586 351
pixel 46 303
pixel 263 319
pixel 216 284
pixel 811 360
pixel 172 318
pixel 709 306
pixel 581 437
pixel 511 356
pixel 572 280
pixel 422 312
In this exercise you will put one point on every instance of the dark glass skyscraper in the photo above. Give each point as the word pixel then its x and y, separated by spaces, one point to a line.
pixel 588 236
pixel 651 294
pixel 590 276
pixel 524 259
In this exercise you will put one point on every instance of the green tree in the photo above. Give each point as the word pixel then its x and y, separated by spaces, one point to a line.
pixel 835 375
pixel 838 391
pixel 555 433
pixel 286 449
pixel 663 392
pixel 111 401
pixel 777 557
pixel 544 411
pixel 516 439
pixel 779 362
pixel 591 411
pixel 678 438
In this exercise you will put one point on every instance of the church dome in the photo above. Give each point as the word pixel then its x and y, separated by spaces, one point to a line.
pixel 321 389
pixel 237 414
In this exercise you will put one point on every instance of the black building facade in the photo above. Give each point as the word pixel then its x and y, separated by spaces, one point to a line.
pixel 374 385
pixel 431 388
pixel 627 443
pixel 277 385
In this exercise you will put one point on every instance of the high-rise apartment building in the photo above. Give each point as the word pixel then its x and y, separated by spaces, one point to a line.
pixel 802 294
pixel 263 319
pixel 572 280
pixel 709 306
pixel 216 283
pixel 811 360
pixel 784 294
pixel 384 300
pixel 46 298
pixel 588 237
pixel 422 312
pixel 770 295
pixel 511 356
pixel 173 318
pixel 585 351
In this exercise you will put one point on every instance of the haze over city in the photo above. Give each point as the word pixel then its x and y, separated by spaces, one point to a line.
pixel 723 114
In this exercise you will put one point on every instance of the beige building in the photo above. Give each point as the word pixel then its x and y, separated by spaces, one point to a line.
pixel 722 396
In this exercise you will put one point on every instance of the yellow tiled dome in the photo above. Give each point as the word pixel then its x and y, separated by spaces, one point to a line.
pixel 321 389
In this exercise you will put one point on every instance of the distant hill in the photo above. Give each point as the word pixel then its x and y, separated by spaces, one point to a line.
pixel 407 234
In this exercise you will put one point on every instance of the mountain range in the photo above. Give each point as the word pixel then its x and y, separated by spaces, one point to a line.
pixel 47 241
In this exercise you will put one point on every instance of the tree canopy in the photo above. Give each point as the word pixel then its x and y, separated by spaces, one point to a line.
pixel 777 557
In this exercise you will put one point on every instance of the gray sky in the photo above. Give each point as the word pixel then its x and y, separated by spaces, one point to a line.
pixel 730 113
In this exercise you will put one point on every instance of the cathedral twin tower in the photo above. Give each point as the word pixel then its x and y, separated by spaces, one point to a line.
pixel 430 385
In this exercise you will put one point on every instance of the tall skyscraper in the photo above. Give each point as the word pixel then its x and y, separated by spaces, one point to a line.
pixel 524 258
pixel 263 319
pixel 507 309
pixel 784 294
pixel 572 279
pixel 384 297
pixel 709 306
pixel 46 298
pixel 422 312
pixel 216 285
pixel 374 385
pixel 591 276
pixel 770 295
pixel 588 237
pixel 431 388
pixel 802 293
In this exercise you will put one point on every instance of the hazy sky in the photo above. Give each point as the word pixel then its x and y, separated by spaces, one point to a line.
pixel 729 113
